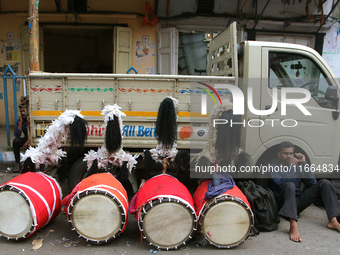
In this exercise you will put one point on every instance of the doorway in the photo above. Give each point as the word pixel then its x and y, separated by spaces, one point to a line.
pixel 78 49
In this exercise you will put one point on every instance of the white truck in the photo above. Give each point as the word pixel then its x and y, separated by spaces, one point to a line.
pixel 268 70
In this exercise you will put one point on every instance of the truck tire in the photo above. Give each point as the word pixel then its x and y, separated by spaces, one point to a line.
pixel 78 171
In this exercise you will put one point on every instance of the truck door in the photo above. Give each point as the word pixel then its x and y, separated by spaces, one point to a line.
pixel 223 53
pixel 316 133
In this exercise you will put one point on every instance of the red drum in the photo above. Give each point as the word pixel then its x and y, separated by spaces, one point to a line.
pixel 165 212
pixel 225 221
pixel 97 208
pixel 29 201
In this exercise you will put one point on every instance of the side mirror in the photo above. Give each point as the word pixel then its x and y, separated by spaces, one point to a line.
pixel 332 94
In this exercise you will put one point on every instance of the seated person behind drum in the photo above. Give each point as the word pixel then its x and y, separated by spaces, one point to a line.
pixel 18 141
pixel 291 200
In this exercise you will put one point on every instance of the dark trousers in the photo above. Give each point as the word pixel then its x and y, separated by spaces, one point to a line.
pixel 17 144
pixel 291 205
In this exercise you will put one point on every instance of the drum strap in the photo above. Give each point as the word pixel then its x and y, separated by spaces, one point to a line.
pixel 54 197
pixel 50 179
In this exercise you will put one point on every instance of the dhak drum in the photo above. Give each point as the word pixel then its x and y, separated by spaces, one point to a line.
pixel 97 208
pixel 28 202
pixel 225 221
pixel 165 212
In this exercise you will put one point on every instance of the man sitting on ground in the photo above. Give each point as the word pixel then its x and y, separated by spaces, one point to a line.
pixel 19 141
pixel 290 199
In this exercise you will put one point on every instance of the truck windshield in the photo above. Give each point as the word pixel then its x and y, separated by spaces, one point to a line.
pixel 295 70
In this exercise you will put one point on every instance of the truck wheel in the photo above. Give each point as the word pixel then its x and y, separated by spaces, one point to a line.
pixel 78 171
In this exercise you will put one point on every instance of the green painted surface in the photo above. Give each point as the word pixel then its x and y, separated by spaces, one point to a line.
pixel 91 89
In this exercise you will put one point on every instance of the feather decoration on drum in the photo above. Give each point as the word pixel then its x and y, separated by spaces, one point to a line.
pixel 166 125
pixel 111 152
pixel 166 130
pixel 166 133
pixel 224 141
pixel 47 152
pixel 78 132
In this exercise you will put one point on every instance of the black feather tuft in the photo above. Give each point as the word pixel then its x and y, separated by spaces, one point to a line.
pixel 166 125
pixel 113 137
pixel 78 132
pixel 228 140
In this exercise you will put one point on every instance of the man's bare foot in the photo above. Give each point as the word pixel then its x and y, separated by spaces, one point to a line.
pixel 333 224
pixel 294 231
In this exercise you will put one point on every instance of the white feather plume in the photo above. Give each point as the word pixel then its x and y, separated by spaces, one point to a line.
pixel 102 156
pixel 47 151
pixel 110 111
pixel 161 152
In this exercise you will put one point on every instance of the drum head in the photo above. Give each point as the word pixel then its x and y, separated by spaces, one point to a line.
pixel 226 223
pixel 168 224
pixel 96 217
pixel 15 215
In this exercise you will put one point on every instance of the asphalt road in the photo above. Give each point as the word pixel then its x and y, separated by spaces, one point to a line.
pixel 58 238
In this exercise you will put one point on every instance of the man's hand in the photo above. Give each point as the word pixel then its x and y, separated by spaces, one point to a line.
pixel 301 158
pixel 293 161
pixel 19 127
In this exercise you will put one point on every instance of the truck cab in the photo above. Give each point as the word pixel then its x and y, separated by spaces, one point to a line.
pixel 277 66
